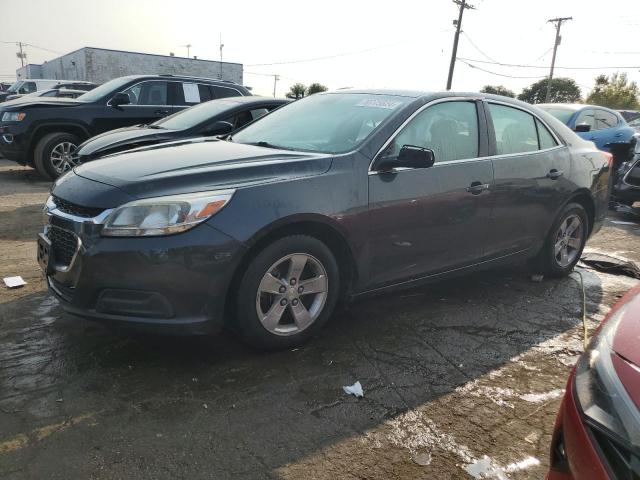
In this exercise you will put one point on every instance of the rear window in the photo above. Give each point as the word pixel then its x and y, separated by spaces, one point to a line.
pixel 562 114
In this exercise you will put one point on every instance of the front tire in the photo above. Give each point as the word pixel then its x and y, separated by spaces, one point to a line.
pixel 287 293
pixel 53 155
pixel 565 242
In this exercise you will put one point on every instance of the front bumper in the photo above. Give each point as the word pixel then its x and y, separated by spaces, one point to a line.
pixel 171 284
pixel 13 145
pixel 580 459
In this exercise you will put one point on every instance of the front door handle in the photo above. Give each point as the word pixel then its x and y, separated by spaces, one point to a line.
pixel 554 174
pixel 476 188
pixel 161 112
pixel 618 135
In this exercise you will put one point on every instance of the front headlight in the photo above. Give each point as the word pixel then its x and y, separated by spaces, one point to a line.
pixel 164 215
pixel 13 116
pixel 600 392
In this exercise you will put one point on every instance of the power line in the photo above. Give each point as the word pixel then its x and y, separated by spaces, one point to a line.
pixel 517 65
pixel 495 73
pixel 326 57
pixel 476 47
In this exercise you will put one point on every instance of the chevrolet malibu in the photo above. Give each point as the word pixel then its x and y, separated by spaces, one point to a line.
pixel 335 196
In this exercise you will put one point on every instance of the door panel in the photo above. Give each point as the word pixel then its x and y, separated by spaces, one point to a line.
pixel 425 221
pixel 430 220
pixel 530 186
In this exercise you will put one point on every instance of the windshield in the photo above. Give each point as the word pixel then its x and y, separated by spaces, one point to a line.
pixel 327 123
pixel 562 114
pixel 112 86
pixel 191 117
pixel 14 88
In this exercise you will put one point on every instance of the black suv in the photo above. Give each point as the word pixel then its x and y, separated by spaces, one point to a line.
pixel 45 132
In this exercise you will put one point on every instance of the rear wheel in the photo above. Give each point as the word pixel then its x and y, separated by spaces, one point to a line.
pixel 54 154
pixel 287 293
pixel 566 240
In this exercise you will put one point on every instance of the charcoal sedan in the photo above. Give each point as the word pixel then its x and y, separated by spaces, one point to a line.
pixel 334 196
pixel 216 117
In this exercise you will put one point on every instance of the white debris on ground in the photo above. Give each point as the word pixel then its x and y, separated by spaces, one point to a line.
pixel 355 390
pixel 486 468
pixel 542 397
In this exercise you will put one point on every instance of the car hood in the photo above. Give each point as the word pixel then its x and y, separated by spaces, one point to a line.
pixel 41 102
pixel 199 165
pixel 115 140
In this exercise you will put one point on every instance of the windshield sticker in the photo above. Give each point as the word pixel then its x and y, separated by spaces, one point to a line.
pixel 191 93
pixel 378 103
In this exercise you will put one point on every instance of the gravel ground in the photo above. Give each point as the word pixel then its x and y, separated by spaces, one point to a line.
pixel 462 379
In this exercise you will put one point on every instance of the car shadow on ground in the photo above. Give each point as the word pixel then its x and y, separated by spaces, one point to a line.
pixel 145 406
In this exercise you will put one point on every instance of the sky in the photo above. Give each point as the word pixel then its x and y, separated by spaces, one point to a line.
pixel 365 44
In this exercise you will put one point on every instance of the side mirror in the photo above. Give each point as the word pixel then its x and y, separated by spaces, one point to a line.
pixel 120 98
pixel 583 127
pixel 410 156
pixel 219 128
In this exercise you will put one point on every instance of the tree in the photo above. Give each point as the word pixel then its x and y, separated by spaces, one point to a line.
pixel 316 88
pixel 563 90
pixel 615 92
pixel 498 90
pixel 297 90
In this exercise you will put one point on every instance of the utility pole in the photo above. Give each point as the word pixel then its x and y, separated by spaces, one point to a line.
pixel 188 47
pixel 21 55
pixel 462 5
pixel 221 47
pixel 275 82
pixel 558 21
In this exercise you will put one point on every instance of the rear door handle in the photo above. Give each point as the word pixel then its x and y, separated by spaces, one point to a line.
pixel 554 174
pixel 161 112
pixel 476 188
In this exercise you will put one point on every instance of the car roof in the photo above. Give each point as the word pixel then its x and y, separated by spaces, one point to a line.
pixel 574 106
pixel 255 99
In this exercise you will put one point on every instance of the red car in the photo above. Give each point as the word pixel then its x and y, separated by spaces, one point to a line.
pixel 597 432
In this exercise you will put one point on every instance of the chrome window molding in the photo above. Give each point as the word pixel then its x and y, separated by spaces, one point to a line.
pixel 560 144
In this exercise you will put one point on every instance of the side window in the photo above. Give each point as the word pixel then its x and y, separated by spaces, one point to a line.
pixel 224 92
pixel 450 129
pixel 545 137
pixel 28 87
pixel 205 93
pixel 515 130
pixel 148 93
pixel 258 112
pixel 242 118
pixel 605 119
pixel 52 93
pixel 587 116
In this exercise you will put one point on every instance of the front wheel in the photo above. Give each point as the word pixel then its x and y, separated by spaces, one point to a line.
pixel 565 242
pixel 54 154
pixel 287 293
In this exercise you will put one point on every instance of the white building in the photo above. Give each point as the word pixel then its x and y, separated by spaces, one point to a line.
pixel 100 65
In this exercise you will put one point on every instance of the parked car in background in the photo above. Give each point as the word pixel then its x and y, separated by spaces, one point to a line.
pixel 597 431
pixel 50 93
pixel 45 132
pixel 629 115
pixel 4 86
pixel 338 194
pixel 215 117
pixel 635 124
pixel 62 85
pixel 22 87
pixel 603 126
pixel 626 188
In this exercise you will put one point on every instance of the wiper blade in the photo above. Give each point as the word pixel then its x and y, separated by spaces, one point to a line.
pixel 155 127
pixel 267 145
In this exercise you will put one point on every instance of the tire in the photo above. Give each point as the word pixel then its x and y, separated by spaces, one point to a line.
pixel 551 260
pixel 282 328
pixel 58 144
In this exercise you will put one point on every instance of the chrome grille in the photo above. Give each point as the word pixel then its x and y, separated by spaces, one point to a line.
pixel 64 245
pixel 75 209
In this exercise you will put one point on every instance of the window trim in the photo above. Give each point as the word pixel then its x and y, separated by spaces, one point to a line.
pixel 559 141
pixel 481 125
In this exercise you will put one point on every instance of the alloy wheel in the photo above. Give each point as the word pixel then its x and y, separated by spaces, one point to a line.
pixel 292 294
pixel 568 240
pixel 62 157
